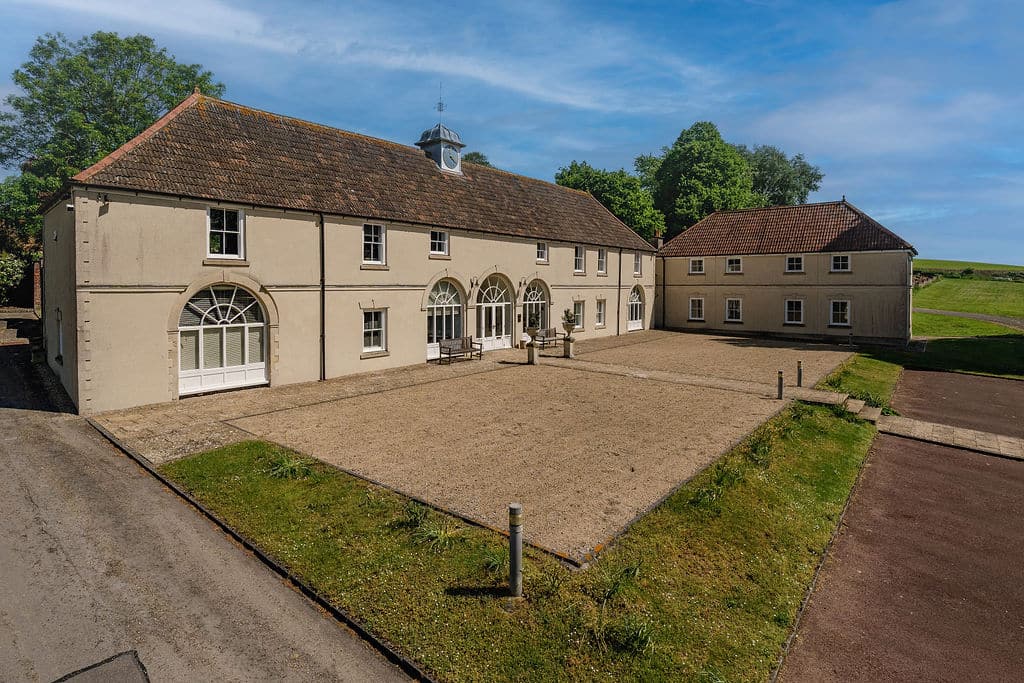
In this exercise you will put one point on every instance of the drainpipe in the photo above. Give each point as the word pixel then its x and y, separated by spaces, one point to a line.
pixel 664 276
pixel 618 300
pixel 323 302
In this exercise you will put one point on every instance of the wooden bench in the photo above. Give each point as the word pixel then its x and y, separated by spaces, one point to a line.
pixel 458 347
pixel 549 337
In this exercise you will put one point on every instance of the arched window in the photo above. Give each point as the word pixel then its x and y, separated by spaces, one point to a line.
pixel 222 337
pixel 635 319
pixel 535 305
pixel 444 314
pixel 494 313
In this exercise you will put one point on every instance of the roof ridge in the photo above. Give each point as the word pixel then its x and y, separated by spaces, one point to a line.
pixel 878 225
pixel 774 207
pixel 85 174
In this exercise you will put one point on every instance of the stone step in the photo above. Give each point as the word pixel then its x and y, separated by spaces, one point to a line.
pixel 854 405
pixel 870 413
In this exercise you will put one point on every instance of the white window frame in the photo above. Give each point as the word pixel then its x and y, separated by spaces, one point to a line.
pixel 542 252
pixel 739 309
pixel 579 259
pixel 832 263
pixel 635 309
pixel 786 311
pixel 690 317
pixel 602 262
pixel 794 270
pixel 599 313
pixel 638 264
pixel 382 243
pixel 578 311
pixel 728 265
pixel 241 233
pixel 382 329
pixel 439 237
pixel 832 313
pixel 699 270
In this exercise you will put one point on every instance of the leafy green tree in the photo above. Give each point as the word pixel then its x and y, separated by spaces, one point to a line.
pixel 79 101
pixel 646 167
pixel 12 270
pixel 701 174
pixel 780 180
pixel 478 158
pixel 620 192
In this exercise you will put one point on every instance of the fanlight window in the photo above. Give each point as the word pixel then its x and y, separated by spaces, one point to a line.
pixel 636 310
pixel 444 312
pixel 535 305
pixel 494 291
pixel 221 327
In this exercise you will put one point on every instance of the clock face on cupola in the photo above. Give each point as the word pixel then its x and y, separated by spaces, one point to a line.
pixel 443 145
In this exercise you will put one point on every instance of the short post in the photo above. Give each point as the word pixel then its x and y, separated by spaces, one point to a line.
pixel 531 353
pixel 780 385
pixel 515 550
pixel 567 347
pixel 799 373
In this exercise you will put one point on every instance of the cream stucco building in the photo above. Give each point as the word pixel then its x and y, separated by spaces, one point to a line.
pixel 228 247
pixel 814 271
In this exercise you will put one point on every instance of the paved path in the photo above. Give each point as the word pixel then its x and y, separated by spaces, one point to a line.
pixel 755 388
pixel 1016 323
pixel 957 437
pixel 97 558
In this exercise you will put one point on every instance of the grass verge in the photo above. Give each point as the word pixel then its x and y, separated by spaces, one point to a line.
pixel 869 379
pixel 996 356
pixel 973 296
pixel 706 586
pixel 933 325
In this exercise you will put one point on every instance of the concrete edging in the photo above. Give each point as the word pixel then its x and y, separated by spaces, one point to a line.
pixel 382 646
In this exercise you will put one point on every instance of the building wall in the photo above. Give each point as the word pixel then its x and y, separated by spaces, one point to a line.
pixel 60 302
pixel 141 257
pixel 878 287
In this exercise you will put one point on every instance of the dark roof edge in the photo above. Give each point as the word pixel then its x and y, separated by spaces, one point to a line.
pixel 881 227
pixel 73 184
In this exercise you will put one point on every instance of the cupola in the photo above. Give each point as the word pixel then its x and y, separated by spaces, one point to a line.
pixel 443 145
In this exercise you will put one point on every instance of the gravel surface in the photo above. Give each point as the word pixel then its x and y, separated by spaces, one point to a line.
pixel 742 358
pixel 584 452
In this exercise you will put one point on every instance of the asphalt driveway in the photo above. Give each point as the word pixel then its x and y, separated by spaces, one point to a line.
pixel 97 558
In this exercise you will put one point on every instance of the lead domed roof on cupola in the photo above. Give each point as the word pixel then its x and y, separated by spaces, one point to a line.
pixel 440 133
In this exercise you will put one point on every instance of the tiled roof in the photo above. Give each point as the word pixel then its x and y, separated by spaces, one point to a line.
pixel 211 149
pixel 807 228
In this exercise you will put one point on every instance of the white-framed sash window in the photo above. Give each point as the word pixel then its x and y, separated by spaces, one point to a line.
pixel 579 259
pixel 638 263
pixel 439 242
pixel 374 330
pixel 734 310
pixel 734 264
pixel 542 252
pixel 578 310
pixel 696 309
pixel 696 266
pixel 225 233
pixel 374 244
pixel 839 315
pixel 599 313
pixel 794 314
pixel 840 263
pixel 602 261
pixel 794 264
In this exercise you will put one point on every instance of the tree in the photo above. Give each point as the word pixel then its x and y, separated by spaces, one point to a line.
pixel 620 192
pixel 478 158
pixel 698 175
pixel 79 101
pixel 780 180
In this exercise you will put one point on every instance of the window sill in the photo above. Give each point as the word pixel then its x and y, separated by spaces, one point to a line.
pixel 701 273
pixel 840 325
pixel 735 272
pixel 223 262
pixel 600 274
pixel 793 324
pixel 795 272
pixel 374 266
pixel 638 275
pixel 374 354
pixel 599 327
pixel 579 273
pixel 695 320
pixel 441 257
pixel 840 272
pixel 543 263
pixel 733 322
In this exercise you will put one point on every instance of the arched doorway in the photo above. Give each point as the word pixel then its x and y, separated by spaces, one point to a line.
pixel 444 316
pixel 222 341
pixel 494 313
pixel 635 317
pixel 535 305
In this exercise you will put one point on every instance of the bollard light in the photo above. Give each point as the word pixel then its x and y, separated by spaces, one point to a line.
pixel 515 550
pixel 780 385
pixel 799 373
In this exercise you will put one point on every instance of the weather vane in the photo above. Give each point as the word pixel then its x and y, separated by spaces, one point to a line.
pixel 440 102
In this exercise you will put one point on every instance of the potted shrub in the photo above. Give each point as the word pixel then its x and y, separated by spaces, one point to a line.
pixel 568 321
pixel 533 326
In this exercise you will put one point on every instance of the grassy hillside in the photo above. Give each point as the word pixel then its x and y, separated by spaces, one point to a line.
pixel 933 265
pixel 973 296
pixel 933 325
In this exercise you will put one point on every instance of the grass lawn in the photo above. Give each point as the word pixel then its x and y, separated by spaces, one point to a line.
pixel 932 325
pixel 973 296
pixel 931 265
pixel 997 356
pixel 871 380
pixel 706 587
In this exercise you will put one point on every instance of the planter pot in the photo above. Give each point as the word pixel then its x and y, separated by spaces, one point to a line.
pixel 568 327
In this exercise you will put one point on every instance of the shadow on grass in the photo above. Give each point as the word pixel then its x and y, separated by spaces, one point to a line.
pixel 1002 355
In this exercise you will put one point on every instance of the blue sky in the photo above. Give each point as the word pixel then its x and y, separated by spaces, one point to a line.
pixel 912 109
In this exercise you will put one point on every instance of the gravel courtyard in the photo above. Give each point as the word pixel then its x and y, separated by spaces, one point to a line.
pixel 744 358
pixel 584 452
